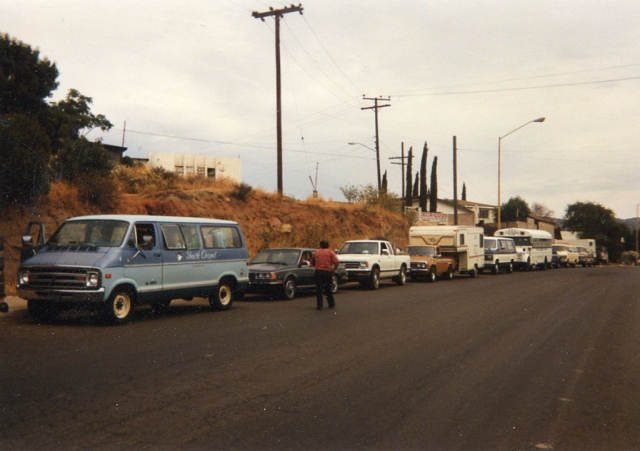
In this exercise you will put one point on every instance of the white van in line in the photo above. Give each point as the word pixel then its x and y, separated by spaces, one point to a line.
pixel 114 262
pixel 533 247
pixel 499 254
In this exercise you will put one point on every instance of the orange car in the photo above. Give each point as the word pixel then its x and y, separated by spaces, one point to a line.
pixel 427 262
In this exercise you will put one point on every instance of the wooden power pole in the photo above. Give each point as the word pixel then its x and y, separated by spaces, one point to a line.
pixel 375 108
pixel 278 13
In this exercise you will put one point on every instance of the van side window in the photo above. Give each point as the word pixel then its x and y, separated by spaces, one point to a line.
pixel 139 232
pixel 173 238
pixel 191 236
pixel 221 237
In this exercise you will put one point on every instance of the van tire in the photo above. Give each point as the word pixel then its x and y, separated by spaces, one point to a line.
pixel 119 306
pixel 496 268
pixel 510 267
pixel 474 272
pixel 289 288
pixel 222 298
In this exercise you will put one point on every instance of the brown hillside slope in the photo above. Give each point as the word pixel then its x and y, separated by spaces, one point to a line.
pixel 266 219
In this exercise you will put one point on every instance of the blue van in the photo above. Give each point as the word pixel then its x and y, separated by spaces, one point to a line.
pixel 112 263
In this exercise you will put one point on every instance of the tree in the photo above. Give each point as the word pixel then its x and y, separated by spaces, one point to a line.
pixel 433 199
pixel 539 209
pixel 383 188
pixel 423 178
pixel 25 79
pixel 516 209
pixel 416 183
pixel 464 192
pixel 591 220
pixel 24 157
pixel 82 159
pixel 408 200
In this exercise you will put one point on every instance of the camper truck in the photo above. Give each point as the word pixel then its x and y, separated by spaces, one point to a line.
pixel 462 243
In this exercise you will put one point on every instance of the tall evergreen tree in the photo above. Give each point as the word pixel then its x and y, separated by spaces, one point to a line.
pixel 416 183
pixel 383 188
pixel 423 178
pixel 433 193
pixel 408 200
pixel 464 191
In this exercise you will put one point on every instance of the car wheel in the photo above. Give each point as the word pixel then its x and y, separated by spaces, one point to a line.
pixel 510 267
pixel 401 278
pixel 432 276
pixel 334 284
pixel 450 273
pixel 289 288
pixel 496 268
pixel 374 279
pixel 223 297
pixel 119 307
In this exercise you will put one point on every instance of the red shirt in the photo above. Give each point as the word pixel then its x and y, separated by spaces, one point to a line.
pixel 325 260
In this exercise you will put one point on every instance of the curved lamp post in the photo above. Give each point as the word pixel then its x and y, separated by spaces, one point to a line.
pixel 540 119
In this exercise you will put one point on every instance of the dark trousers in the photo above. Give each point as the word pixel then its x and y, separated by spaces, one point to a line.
pixel 323 287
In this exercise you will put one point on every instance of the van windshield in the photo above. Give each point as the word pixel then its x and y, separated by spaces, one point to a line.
pixel 92 232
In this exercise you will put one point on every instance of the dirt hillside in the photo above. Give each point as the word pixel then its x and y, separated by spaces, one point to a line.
pixel 266 219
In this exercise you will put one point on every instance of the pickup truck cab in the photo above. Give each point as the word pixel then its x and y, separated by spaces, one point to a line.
pixel 369 261
pixel 586 258
pixel 428 263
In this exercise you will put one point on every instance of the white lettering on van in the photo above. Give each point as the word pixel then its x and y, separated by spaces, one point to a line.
pixel 201 255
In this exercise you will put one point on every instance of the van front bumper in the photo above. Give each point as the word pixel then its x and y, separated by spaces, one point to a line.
pixel 72 296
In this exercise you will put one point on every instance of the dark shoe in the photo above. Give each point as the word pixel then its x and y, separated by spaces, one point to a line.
pixel 332 305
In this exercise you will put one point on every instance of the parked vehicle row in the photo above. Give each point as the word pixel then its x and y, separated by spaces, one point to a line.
pixel 113 263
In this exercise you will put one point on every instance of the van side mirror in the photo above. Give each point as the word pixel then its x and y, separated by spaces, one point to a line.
pixel 27 242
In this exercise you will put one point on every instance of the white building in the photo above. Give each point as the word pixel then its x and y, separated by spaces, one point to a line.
pixel 217 168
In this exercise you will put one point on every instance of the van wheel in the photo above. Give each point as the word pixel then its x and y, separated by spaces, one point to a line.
pixel 474 272
pixel 289 288
pixel 432 276
pixel 374 279
pixel 334 284
pixel 401 278
pixel 41 312
pixel 496 268
pixel 510 267
pixel 119 306
pixel 223 297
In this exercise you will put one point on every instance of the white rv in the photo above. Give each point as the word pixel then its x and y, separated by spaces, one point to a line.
pixel 533 246
pixel 463 243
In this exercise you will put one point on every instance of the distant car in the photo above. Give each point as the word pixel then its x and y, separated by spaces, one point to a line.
pixel 428 263
pixel 285 271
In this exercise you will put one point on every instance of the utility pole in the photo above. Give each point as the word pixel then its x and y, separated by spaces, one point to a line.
pixel 278 13
pixel 375 108
pixel 401 158
pixel 455 180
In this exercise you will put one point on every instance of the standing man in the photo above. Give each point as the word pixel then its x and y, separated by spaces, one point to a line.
pixel 325 262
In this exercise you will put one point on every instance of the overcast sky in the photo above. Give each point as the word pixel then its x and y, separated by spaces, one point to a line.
pixel 198 76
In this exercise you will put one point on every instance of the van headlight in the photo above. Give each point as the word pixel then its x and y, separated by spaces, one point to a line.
pixel 93 279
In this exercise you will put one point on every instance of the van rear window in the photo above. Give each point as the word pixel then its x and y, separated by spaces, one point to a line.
pixel 221 237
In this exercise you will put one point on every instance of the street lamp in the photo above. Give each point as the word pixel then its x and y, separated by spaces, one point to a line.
pixel 540 119
pixel 377 157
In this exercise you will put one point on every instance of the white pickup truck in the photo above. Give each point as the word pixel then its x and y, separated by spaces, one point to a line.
pixel 369 261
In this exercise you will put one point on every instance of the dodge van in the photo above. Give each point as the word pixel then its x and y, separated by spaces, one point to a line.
pixel 112 263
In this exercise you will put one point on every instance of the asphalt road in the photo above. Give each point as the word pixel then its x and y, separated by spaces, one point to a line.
pixel 528 361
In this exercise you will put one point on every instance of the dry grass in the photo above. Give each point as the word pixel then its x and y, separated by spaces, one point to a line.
pixel 266 219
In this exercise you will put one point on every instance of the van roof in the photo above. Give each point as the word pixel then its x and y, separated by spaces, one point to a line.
pixel 153 218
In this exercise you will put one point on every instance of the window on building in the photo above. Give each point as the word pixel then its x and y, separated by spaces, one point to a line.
pixel 483 214
pixel 191 170
pixel 200 171
pixel 211 172
pixel 179 169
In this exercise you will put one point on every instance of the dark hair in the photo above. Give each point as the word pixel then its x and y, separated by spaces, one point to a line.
pixel 324 244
